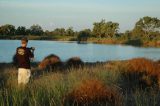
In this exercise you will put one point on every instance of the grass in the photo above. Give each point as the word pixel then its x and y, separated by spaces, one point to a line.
pixel 110 83
pixel 94 92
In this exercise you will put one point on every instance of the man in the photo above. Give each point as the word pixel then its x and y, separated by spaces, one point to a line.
pixel 23 56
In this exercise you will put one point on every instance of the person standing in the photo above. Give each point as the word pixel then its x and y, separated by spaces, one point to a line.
pixel 24 56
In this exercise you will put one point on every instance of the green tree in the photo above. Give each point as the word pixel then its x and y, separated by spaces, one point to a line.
pixel 36 30
pixel 84 35
pixel 148 25
pixel 1 32
pixel 70 31
pixel 128 35
pixel 105 29
pixel 21 30
pixel 138 33
pixel 88 31
pixel 47 33
pixel 109 29
pixel 59 31
pixel 28 32
pixel 7 29
pixel 97 29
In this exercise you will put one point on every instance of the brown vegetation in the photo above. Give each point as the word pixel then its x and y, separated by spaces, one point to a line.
pixel 74 62
pixel 95 84
pixel 141 72
pixel 50 62
pixel 93 93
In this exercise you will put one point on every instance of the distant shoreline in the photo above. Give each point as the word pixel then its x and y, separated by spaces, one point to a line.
pixel 136 43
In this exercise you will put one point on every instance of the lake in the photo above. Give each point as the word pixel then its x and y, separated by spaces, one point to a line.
pixel 87 52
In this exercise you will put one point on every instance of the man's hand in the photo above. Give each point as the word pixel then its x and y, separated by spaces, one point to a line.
pixel 32 49
pixel 32 59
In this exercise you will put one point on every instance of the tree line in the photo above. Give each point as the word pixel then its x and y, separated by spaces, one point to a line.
pixel 145 28
pixel 35 29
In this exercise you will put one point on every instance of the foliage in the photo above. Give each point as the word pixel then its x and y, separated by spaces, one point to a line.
pixel 86 94
pixel 36 30
pixel 148 25
pixel 105 29
pixel 145 33
pixel 50 62
pixel 70 31
pixel 84 35
pixel 109 82
pixel 7 29
pixel 21 30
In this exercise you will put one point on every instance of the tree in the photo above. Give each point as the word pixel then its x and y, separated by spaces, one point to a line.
pixel 70 31
pixel 148 25
pixel 59 31
pixel 97 29
pixel 36 30
pixel 105 29
pixel 1 32
pixel 127 35
pixel 83 35
pixel 47 32
pixel 28 31
pixel 7 29
pixel 88 31
pixel 137 33
pixel 21 30
pixel 109 29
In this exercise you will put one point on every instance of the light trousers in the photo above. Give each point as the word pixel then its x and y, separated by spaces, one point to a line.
pixel 23 75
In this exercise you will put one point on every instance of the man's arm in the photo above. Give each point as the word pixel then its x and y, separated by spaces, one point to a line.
pixel 17 52
pixel 14 59
pixel 31 53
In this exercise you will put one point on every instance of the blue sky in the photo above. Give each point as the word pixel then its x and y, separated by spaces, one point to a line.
pixel 79 14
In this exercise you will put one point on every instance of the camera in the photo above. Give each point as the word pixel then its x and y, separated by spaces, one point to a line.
pixel 32 48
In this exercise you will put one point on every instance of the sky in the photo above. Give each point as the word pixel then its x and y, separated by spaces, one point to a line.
pixel 79 14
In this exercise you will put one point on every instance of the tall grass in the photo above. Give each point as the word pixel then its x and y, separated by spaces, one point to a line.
pixel 104 81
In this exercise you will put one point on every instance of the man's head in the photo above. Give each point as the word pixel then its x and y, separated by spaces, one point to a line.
pixel 24 42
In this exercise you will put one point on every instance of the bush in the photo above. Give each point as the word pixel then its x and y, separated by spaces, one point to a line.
pixel 74 62
pixel 83 36
pixel 51 62
pixel 93 93
pixel 140 73
pixel 134 42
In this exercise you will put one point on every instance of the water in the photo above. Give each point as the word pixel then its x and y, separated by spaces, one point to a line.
pixel 87 52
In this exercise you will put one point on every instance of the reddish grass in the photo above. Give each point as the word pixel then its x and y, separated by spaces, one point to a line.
pixel 94 93
pixel 143 65
pixel 50 61
pixel 144 70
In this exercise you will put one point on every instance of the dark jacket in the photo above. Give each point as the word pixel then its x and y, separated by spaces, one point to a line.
pixel 23 56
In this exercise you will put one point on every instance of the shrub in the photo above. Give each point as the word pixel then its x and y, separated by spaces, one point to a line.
pixel 134 42
pixel 51 62
pixel 74 62
pixel 141 73
pixel 93 93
